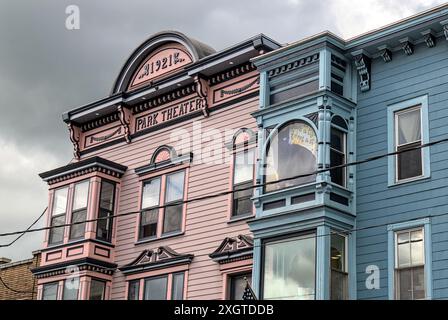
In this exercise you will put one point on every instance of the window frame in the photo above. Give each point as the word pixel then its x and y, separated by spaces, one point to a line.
pixel 279 239
pixel 64 289
pixel 425 225
pixel 141 284
pixel 104 282
pixel 160 234
pixel 345 270
pixel 230 284
pixel 392 110
pixel 111 213
pixel 173 202
pixel 55 283
pixel 67 187
pixel 72 211
pixel 244 149
pixel 344 153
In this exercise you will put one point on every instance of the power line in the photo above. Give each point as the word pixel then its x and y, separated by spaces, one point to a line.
pixel 14 290
pixel 23 233
pixel 224 193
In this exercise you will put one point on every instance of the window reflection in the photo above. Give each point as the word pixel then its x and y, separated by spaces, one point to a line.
pixel 292 152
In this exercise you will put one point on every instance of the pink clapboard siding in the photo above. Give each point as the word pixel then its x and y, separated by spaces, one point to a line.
pixel 206 221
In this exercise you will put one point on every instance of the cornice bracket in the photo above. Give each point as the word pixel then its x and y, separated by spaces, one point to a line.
pixel 75 134
pixel 363 64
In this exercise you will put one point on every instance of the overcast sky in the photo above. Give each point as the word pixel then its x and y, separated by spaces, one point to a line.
pixel 46 69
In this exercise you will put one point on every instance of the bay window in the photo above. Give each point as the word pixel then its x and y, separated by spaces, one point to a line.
pixel 171 217
pixel 71 289
pixel 58 214
pixel 292 151
pixel 105 211
pixel 79 210
pixel 408 135
pixel 289 268
pixel 409 265
pixel 338 264
pixel 243 176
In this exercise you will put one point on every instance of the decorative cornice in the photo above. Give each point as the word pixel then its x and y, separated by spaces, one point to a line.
pixel 85 264
pixel 100 122
pixel 202 91
pixel 165 98
pixel 429 37
pixel 302 62
pixel 83 167
pixel 231 73
pixel 444 24
pixel 407 46
pixel 125 121
pixel 75 137
pixel 385 53
pixel 233 249
pixel 232 92
pixel 157 258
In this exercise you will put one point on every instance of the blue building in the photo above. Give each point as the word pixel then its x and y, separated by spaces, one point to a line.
pixel 375 230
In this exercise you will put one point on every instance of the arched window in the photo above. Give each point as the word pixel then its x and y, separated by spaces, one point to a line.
pixel 292 151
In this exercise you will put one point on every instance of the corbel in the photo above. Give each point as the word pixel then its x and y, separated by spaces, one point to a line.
pixel 125 121
pixel 202 91
pixel 75 137
pixel 429 37
pixel 363 65
pixel 444 24
pixel 407 46
pixel 385 53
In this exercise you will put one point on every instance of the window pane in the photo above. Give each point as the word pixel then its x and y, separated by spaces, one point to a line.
pixel 175 186
pixel 292 152
pixel 178 286
pixel 417 254
pixel 403 237
pixel 97 290
pixel 418 281
pixel 337 139
pixel 50 291
pixel 404 255
pixel 151 193
pixel 339 285
pixel 173 218
pixel 404 285
pixel 104 226
pixel 338 174
pixel 155 289
pixel 81 195
pixel 57 234
pixel 71 287
pixel 409 162
pixel 78 230
pixel 148 223
pixel 134 288
pixel 289 269
pixel 409 126
pixel 244 167
pixel 237 286
pixel 60 201
pixel 338 252
pixel 241 199
pixel 107 195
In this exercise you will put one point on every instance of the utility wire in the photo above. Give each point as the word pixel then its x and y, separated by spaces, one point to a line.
pixel 14 290
pixel 23 233
pixel 224 193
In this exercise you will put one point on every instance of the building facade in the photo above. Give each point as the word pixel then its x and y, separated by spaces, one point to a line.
pixel 303 168
pixel 16 279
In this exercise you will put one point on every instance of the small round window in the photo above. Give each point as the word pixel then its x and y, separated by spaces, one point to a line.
pixel 291 152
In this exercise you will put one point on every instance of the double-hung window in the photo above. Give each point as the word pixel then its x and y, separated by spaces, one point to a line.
pixel 163 287
pixel 338 156
pixel 408 136
pixel 338 264
pixel 71 289
pixel 97 290
pixel 409 264
pixel 79 210
pixel 58 214
pixel 171 197
pixel 105 211
pixel 243 176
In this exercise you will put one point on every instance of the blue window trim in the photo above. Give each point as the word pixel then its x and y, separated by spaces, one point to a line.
pixel 423 102
pixel 391 229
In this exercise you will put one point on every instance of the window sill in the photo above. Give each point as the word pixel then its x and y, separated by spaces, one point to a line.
pixel 163 237
pixel 410 180
pixel 240 218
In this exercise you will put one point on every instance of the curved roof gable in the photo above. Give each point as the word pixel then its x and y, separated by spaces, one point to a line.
pixel 161 54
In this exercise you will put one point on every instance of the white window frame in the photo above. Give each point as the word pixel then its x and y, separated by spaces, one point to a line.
pixel 392 112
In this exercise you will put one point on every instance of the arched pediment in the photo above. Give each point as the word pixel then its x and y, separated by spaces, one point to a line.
pixel 159 56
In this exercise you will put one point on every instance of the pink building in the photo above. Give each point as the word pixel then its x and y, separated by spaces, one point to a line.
pixel 177 126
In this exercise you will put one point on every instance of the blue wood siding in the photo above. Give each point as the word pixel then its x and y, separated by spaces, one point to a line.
pixel 406 77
